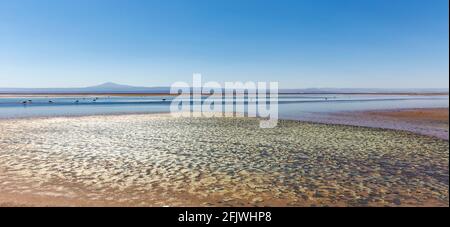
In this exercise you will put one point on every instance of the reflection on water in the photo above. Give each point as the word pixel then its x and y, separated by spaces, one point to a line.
pixel 290 106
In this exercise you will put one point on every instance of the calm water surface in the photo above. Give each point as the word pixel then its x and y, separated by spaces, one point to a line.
pixel 299 106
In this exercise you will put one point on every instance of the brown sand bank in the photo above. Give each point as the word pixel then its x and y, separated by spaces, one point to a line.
pixel 427 121
pixel 430 121
pixel 432 115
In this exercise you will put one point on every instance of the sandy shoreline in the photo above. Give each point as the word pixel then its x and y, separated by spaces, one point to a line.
pixel 156 160
pixel 439 115
pixel 424 121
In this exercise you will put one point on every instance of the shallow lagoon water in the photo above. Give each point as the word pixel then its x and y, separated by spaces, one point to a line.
pixel 157 160
pixel 298 106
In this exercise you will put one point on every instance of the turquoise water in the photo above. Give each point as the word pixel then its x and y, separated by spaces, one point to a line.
pixel 290 106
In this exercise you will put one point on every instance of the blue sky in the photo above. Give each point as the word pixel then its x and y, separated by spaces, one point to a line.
pixel 300 43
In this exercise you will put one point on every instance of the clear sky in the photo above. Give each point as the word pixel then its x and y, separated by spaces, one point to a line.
pixel 300 43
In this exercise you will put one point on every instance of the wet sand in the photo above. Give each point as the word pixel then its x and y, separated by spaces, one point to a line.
pixel 158 160
pixel 428 121
pixel 431 115
pixel 431 121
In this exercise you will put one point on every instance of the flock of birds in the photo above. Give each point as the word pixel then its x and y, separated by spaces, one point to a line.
pixel 51 101
pixel 25 102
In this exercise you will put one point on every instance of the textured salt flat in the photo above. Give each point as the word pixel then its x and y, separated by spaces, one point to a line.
pixel 157 160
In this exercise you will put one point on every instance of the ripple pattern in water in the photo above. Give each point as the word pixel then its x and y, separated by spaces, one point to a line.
pixel 156 160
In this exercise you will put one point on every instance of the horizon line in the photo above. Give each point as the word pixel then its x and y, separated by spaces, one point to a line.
pixel 103 85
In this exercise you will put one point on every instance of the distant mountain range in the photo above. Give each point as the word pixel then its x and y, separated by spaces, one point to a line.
pixel 119 88
pixel 102 88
